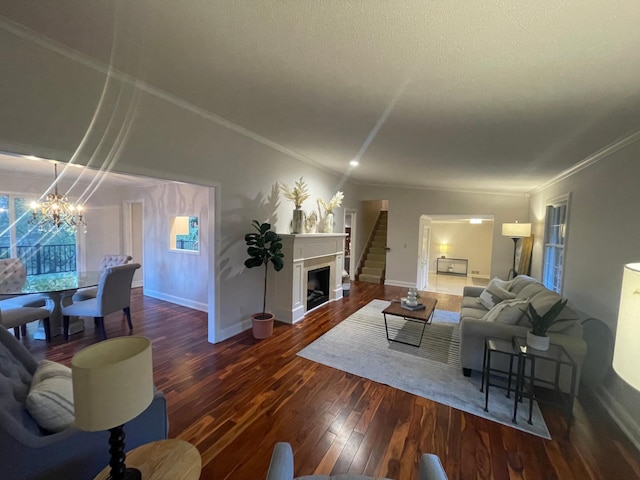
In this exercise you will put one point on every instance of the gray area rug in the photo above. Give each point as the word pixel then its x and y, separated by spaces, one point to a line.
pixel 359 345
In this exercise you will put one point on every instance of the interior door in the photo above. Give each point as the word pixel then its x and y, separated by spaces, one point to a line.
pixel 423 254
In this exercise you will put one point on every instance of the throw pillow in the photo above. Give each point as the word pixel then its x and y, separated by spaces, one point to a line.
pixel 507 312
pixel 494 294
pixel 50 402
pixel 47 369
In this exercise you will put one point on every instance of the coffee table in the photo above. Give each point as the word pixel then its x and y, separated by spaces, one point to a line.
pixel 423 316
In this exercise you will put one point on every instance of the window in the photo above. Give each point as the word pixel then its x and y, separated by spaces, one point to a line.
pixel 184 233
pixel 555 235
pixel 51 252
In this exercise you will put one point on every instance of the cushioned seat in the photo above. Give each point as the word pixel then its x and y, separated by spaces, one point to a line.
pixel 109 260
pixel 281 467
pixel 114 293
pixel 475 327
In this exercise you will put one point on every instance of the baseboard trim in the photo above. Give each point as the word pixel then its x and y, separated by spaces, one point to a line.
pixel 398 283
pixel 137 283
pixel 233 330
pixel 617 412
pixel 185 302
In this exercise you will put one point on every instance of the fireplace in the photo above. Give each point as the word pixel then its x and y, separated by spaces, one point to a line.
pixel 310 276
pixel 317 287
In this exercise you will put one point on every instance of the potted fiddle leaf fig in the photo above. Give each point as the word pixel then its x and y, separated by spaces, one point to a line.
pixel 264 247
pixel 537 337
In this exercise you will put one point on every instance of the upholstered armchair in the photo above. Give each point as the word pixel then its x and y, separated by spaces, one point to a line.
pixel 13 276
pixel 281 467
pixel 109 260
pixel 114 293
pixel 31 453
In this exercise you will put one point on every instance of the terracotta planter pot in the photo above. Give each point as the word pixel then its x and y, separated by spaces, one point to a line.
pixel 262 325
pixel 537 342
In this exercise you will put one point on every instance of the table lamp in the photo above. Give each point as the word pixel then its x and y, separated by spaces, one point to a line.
pixel 113 384
pixel 515 231
pixel 626 355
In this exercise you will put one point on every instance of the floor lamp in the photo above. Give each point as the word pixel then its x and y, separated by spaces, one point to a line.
pixel 515 231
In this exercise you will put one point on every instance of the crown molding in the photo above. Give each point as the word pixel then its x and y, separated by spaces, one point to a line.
pixel 590 160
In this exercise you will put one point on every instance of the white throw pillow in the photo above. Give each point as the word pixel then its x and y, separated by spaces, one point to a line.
pixel 494 294
pixel 50 399
pixel 507 312
pixel 47 369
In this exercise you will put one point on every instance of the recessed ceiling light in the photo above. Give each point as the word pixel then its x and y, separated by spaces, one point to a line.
pixel 354 163
pixel 476 221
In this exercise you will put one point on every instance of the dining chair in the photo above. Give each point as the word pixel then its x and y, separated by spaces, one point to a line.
pixel 109 260
pixel 17 317
pixel 13 276
pixel 114 293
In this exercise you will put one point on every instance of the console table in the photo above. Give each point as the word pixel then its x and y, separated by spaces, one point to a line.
pixel 452 266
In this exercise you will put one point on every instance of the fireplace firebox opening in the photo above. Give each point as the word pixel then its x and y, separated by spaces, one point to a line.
pixel 317 287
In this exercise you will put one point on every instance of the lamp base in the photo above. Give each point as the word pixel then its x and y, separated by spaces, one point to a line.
pixel 129 474
pixel 119 470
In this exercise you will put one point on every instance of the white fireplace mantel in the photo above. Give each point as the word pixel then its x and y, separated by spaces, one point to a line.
pixel 303 252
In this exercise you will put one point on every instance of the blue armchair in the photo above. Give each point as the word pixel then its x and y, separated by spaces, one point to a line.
pixel 31 453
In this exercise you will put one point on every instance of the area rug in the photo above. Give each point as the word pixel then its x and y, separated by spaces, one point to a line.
pixel 359 345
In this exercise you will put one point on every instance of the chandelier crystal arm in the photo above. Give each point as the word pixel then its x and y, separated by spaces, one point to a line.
pixel 56 210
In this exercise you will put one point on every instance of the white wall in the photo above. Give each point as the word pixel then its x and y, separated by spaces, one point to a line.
pixel 153 135
pixel 464 240
pixel 407 205
pixel 176 276
pixel 603 235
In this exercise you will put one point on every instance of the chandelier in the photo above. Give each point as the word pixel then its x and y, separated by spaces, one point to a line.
pixel 55 210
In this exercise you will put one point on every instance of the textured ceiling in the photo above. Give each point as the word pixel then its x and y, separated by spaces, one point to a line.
pixel 492 95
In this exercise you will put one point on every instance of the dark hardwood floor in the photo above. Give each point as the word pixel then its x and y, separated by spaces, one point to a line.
pixel 236 399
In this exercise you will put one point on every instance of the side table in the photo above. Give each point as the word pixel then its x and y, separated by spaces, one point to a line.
pixel 163 460
pixel 504 348
pixel 525 380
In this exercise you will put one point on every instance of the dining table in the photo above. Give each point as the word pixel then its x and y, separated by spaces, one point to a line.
pixel 60 290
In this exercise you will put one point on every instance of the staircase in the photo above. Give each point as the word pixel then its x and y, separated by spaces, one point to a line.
pixel 372 267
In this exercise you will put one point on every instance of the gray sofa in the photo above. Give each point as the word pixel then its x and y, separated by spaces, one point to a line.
pixel 473 329
pixel 31 453
pixel 281 467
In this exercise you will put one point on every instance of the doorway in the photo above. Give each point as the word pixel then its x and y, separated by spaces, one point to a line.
pixel 423 255
pixel 350 222
pixel 133 237
pixel 454 251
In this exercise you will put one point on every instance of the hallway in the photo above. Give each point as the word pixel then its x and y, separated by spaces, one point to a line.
pixel 452 284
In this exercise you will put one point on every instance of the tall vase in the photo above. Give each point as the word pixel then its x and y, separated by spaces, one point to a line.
pixel 328 223
pixel 297 226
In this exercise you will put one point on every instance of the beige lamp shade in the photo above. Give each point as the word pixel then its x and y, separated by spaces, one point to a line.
pixel 112 382
pixel 444 249
pixel 626 356
pixel 516 230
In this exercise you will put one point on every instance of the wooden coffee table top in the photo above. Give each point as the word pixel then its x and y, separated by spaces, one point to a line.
pixel 163 460
pixel 425 314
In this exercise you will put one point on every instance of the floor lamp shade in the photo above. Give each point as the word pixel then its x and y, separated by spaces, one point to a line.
pixel 516 230
pixel 626 356
pixel 112 382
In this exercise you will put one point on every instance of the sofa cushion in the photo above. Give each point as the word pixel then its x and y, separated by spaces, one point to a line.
pixel 507 312
pixel 521 281
pixel 50 400
pixel 494 294
pixel 476 312
pixel 532 290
